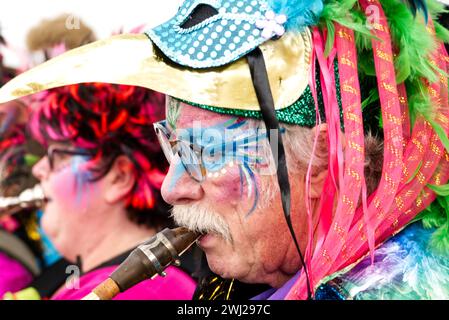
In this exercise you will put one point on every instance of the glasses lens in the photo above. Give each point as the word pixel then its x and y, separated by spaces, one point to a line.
pixel 190 160
pixel 61 158
pixel 164 142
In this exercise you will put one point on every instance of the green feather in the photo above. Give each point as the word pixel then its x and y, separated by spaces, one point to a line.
pixel 414 173
pixel 31 159
pixel 410 37
pixel 435 8
pixel 419 102
pixel 437 216
pixel 441 32
pixel 440 132
pixel 440 190
pixel 440 240
pixel 346 13
pixel 414 43
pixel 372 97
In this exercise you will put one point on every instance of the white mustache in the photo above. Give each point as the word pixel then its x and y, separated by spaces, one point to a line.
pixel 198 218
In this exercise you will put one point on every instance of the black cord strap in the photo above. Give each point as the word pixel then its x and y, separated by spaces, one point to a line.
pixel 262 87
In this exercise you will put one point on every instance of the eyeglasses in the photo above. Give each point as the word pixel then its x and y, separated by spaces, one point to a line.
pixel 246 146
pixel 58 156
pixel 189 153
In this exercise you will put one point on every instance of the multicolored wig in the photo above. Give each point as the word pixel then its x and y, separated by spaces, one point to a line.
pixel 110 121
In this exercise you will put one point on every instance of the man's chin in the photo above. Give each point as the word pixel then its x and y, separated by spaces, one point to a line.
pixel 219 266
pixel 225 267
pixel 220 257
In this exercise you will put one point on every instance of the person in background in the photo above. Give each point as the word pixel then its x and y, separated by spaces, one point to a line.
pixel 51 37
pixel 101 176
pixel 21 252
pixel 47 39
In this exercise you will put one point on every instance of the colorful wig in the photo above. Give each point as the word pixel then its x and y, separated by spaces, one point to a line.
pixel 109 121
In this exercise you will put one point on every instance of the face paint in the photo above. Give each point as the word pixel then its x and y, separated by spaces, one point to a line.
pixel 74 166
pixel 173 111
pixel 213 150
pixel 79 168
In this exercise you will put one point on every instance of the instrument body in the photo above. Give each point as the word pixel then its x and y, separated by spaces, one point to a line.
pixel 148 260
pixel 27 199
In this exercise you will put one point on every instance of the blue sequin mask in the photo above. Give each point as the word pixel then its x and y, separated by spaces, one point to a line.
pixel 228 34
pixel 213 33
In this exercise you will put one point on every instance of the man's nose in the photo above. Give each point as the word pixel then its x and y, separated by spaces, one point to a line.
pixel 178 187
pixel 41 169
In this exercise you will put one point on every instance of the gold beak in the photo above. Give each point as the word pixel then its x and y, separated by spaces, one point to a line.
pixel 130 59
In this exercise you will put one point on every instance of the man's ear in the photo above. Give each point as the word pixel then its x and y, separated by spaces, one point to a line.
pixel 317 183
pixel 319 176
pixel 119 180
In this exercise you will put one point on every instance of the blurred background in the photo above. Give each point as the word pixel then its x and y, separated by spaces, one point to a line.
pixel 17 17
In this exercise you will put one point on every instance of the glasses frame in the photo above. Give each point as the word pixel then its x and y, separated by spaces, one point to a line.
pixel 51 151
pixel 161 128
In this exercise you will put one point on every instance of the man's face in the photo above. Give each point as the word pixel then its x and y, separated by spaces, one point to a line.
pixel 237 203
pixel 72 198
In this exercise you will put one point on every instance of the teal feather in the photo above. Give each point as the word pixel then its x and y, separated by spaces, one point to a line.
pixel 299 13
pixel 418 5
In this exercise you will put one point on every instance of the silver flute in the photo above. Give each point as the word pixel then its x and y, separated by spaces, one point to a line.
pixel 28 199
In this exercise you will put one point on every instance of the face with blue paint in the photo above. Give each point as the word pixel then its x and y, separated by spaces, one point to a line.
pixel 64 175
pixel 230 196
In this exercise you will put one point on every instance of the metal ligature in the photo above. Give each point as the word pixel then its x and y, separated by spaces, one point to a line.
pixel 146 261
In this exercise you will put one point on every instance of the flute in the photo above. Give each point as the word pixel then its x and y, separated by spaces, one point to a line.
pixel 146 261
pixel 29 198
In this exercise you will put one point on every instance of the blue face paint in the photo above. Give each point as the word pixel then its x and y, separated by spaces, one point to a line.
pixel 214 147
pixel 82 175
pixel 232 140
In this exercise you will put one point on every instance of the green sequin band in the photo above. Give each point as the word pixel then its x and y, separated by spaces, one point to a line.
pixel 301 113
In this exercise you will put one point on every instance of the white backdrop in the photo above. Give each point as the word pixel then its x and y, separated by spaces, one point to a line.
pixel 103 16
pixel 17 17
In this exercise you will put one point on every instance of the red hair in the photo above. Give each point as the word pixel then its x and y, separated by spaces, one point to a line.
pixel 109 120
